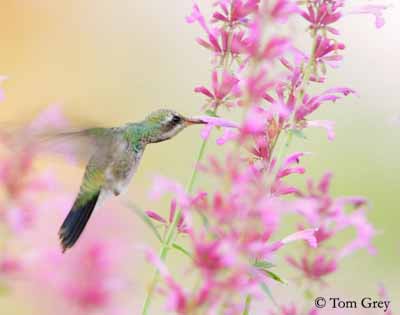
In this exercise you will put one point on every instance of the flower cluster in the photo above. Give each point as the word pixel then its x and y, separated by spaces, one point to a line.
pixel 232 251
pixel 258 70
pixel 331 216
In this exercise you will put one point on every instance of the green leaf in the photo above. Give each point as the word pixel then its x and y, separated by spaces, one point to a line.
pixel 142 215
pixel 274 276
pixel 211 113
pixel 263 264
pixel 268 292
pixel 298 133
pixel 182 250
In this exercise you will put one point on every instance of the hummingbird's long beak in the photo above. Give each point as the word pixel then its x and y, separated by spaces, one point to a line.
pixel 194 121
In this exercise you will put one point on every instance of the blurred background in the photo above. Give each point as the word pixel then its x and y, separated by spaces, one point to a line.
pixel 109 62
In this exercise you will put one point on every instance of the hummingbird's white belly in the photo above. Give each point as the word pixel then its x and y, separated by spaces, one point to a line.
pixel 120 172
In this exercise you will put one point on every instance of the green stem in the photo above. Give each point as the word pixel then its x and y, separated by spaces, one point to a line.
pixel 247 305
pixel 306 80
pixel 171 232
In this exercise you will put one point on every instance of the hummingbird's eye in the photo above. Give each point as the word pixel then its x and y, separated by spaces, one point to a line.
pixel 176 119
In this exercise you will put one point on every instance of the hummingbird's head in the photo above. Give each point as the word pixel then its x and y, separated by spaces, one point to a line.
pixel 166 123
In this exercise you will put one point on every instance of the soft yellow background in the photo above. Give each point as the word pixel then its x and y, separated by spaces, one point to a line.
pixel 115 61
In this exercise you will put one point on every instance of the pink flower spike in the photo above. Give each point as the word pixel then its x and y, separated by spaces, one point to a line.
pixel 374 9
pixel 217 122
pixel 282 9
pixel 228 135
pixel 197 16
pixel 293 158
pixel 204 90
pixel 307 235
pixel 340 90
pixel 276 47
pixel 365 234
pixel 325 183
pixel 155 216
pixel 327 124
pixel 256 121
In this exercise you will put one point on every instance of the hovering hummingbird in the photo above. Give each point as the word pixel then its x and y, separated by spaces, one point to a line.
pixel 117 153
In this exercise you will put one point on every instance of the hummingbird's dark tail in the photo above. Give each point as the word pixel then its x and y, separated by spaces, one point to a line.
pixel 76 220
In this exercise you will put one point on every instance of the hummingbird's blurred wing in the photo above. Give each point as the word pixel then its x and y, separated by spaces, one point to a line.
pixel 75 145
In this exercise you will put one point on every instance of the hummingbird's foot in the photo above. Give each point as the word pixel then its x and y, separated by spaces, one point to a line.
pixel 116 192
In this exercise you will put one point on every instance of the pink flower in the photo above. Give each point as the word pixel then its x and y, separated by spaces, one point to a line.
pixel 197 16
pixel 274 48
pixel 307 235
pixel 228 126
pixel 365 233
pixel 286 168
pixel 310 104
pixel 278 187
pixel 314 268
pixel 255 122
pixel 235 11
pixel 218 40
pixel 326 124
pixel 323 13
pixel 213 256
pixel 257 85
pixel 181 225
pixel 330 216
pixel 220 88
pixel 282 10
pixel 373 9
pixel 326 52
pixel 177 298
pixel 155 216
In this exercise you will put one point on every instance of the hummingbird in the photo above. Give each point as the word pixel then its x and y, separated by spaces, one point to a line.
pixel 116 155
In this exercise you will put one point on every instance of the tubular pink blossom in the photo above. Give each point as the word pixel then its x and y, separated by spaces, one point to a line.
pixel 155 216
pixel 218 122
pixel 197 16
pixel 328 125
pixel 365 234
pixel 310 104
pixel 373 9
pixel 203 90
pixel 283 9
pixel 293 158
pixel 221 87
pixel 306 235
